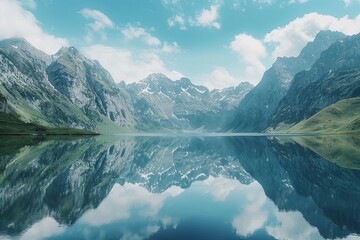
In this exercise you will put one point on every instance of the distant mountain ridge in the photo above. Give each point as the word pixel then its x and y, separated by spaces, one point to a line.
pixel 183 105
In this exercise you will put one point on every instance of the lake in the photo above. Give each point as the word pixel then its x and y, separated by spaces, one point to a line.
pixel 180 187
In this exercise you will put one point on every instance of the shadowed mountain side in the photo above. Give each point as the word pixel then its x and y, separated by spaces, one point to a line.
pixel 333 77
pixel 255 111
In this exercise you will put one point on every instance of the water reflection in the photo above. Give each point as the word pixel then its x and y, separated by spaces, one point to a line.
pixel 343 150
pixel 178 188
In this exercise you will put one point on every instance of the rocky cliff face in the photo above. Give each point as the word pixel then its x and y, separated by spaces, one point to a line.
pixel 334 76
pixel 26 58
pixel 64 90
pixel 89 86
pixel 32 97
pixel 255 111
pixel 3 104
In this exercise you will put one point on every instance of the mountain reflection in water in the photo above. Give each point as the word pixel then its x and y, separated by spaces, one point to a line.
pixel 179 188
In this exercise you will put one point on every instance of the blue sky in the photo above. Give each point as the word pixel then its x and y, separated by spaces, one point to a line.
pixel 217 43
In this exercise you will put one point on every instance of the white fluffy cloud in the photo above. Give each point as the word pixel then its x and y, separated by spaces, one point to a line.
pixel 245 223
pixel 241 4
pixel 292 225
pixel 170 2
pixel 205 17
pixel 298 1
pixel 219 78
pixel 133 32
pixel 290 39
pixel 170 47
pixel 47 227
pixel 263 1
pixel 99 23
pixel 15 21
pixel 348 2
pixel 29 3
pixel 121 203
pixel 127 66
pixel 208 17
pixel 287 40
pixel 177 20
pixel 251 52
pixel 122 199
pixel 221 187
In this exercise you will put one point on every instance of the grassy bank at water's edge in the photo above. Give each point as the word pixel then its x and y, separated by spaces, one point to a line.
pixel 10 125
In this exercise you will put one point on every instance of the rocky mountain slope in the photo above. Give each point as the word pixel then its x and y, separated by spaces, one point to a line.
pixel 29 87
pixel 334 76
pixel 89 86
pixel 3 104
pixel 255 111
pixel 183 105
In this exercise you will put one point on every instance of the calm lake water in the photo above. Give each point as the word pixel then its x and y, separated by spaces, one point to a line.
pixel 188 187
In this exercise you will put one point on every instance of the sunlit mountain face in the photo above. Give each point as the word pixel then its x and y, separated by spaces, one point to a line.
pixel 171 187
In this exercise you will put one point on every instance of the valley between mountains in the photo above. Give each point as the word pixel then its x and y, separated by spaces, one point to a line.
pixel 68 90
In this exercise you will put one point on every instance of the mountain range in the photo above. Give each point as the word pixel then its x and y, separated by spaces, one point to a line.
pixel 183 105
pixel 69 90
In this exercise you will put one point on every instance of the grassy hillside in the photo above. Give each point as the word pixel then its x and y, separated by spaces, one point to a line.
pixel 10 125
pixel 341 117
pixel 343 150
